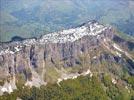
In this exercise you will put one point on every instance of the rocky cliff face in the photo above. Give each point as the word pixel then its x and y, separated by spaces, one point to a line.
pixel 55 56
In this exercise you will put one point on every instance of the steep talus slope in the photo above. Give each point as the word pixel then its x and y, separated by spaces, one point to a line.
pixel 91 48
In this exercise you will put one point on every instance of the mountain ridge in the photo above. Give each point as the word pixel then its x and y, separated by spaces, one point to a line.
pixel 88 49
pixel 68 33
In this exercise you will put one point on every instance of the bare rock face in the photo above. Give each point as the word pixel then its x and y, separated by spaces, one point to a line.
pixel 32 58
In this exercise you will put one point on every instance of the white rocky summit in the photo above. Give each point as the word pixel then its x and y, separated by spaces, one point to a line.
pixel 73 34
pixel 70 35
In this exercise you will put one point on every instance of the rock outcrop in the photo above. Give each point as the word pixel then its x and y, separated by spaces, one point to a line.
pixel 70 48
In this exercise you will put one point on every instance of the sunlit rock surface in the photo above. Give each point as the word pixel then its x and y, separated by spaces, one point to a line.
pixel 32 59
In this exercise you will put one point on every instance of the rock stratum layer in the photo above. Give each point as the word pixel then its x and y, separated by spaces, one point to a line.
pixel 88 49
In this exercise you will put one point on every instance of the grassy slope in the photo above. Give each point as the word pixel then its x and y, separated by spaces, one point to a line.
pixel 83 88
pixel 125 36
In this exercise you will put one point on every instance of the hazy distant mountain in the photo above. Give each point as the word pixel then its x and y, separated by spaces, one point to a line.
pixel 30 18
